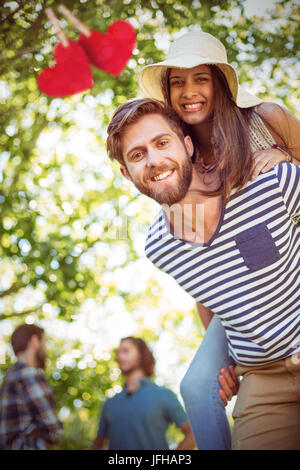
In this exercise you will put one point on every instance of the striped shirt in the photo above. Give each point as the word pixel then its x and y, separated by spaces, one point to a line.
pixel 248 273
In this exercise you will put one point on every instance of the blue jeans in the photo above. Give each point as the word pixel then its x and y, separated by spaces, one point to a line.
pixel 199 390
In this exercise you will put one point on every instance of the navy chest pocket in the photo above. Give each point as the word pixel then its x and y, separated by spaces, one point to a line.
pixel 257 247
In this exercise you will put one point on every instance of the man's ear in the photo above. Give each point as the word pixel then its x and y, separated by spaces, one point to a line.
pixel 124 172
pixel 34 342
pixel 189 145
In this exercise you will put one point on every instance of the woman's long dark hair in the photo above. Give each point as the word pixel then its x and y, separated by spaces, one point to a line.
pixel 230 135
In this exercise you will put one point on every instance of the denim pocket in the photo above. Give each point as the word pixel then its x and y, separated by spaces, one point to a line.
pixel 257 247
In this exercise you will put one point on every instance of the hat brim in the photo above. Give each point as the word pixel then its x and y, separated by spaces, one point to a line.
pixel 150 78
pixel 245 99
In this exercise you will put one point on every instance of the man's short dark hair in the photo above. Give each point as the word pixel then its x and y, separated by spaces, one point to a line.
pixel 22 335
pixel 129 113
pixel 146 356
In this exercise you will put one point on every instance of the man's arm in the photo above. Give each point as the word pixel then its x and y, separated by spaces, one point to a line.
pixel 175 413
pixel 40 401
pixel 100 443
pixel 205 314
pixel 188 442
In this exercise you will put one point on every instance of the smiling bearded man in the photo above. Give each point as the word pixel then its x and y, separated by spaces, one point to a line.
pixel 156 159
pixel 241 263
pixel 165 178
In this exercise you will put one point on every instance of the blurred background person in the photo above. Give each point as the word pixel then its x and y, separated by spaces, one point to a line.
pixel 28 418
pixel 138 417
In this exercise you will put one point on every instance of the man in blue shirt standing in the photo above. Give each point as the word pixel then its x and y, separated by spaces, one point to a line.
pixel 138 417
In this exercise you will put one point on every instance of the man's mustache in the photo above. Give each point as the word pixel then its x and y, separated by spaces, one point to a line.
pixel 158 170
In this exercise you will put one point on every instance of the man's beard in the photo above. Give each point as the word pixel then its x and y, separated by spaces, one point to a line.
pixel 40 359
pixel 131 369
pixel 172 195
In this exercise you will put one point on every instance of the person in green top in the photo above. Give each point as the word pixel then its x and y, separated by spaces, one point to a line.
pixel 138 417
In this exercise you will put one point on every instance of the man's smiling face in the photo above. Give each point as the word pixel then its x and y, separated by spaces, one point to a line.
pixel 156 160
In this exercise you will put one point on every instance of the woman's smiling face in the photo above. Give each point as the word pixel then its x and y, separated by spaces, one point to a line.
pixel 191 93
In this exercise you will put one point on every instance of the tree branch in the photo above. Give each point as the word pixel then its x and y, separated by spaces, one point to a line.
pixel 13 12
pixel 20 314
pixel 37 23
pixel 14 288
pixel 18 53
pixel 28 33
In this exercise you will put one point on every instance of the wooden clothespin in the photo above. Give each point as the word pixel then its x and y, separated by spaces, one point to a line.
pixel 82 28
pixel 55 23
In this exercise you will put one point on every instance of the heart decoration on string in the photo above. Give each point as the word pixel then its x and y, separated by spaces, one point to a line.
pixel 70 75
pixel 109 52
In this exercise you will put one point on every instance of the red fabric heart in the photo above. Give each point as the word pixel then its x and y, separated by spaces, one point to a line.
pixel 70 75
pixel 110 51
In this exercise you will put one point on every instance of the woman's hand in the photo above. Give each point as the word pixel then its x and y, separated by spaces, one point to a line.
pixel 229 382
pixel 264 160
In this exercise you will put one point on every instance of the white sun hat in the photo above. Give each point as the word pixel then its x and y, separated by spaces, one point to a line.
pixel 195 48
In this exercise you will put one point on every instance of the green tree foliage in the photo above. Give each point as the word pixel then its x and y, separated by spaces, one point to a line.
pixel 63 240
pixel 48 229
